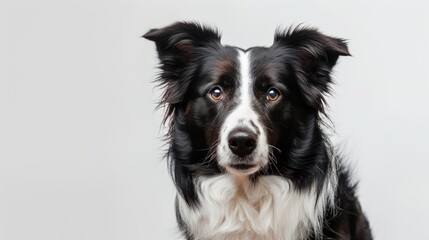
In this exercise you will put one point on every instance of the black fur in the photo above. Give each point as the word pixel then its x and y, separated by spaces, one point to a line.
pixel 298 63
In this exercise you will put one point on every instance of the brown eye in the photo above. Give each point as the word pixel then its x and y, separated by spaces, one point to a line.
pixel 273 94
pixel 216 93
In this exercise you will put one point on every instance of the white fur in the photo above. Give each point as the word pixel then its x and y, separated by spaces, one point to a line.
pixel 269 208
pixel 241 116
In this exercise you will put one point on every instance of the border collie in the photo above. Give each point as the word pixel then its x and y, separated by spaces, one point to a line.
pixel 247 150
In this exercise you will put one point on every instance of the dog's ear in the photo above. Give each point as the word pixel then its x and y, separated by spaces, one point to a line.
pixel 176 43
pixel 177 47
pixel 314 56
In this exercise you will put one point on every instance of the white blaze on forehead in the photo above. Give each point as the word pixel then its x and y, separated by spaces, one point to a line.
pixel 243 116
pixel 246 81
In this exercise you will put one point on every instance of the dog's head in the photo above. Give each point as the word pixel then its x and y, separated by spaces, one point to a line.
pixel 242 110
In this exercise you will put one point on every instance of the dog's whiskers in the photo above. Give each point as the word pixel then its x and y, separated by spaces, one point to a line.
pixel 272 158
pixel 211 153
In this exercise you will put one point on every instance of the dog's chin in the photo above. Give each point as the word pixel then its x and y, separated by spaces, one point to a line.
pixel 242 169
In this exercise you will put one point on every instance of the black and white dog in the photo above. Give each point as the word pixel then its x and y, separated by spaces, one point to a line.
pixel 247 151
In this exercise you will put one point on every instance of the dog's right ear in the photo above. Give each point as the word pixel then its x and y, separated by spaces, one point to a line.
pixel 176 43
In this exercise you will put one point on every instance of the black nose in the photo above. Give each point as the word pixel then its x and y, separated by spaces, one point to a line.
pixel 242 142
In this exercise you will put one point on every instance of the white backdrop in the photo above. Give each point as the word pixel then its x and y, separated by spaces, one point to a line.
pixel 80 142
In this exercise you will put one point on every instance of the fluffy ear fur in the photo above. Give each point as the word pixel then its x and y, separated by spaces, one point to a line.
pixel 176 45
pixel 179 39
pixel 316 55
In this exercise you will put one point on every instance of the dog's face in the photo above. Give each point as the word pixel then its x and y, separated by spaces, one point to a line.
pixel 243 107
pixel 235 108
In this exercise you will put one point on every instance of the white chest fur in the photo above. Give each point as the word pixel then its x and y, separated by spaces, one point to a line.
pixel 268 209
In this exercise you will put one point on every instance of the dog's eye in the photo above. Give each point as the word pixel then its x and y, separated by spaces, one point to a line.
pixel 273 94
pixel 216 93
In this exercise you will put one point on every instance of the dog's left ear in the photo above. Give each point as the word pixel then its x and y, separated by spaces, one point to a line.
pixel 315 54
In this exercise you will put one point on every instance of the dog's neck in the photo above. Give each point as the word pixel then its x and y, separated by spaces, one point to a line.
pixel 236 207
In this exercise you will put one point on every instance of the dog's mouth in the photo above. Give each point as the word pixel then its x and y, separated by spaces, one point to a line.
pixel 242 166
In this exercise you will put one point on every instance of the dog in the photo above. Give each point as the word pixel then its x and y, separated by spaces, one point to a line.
pixel 247 149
